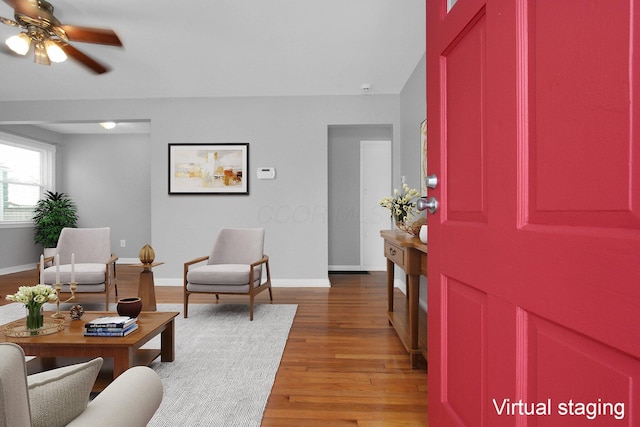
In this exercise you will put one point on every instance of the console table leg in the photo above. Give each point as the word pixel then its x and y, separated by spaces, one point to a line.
pixel 390 268
pixel 413 291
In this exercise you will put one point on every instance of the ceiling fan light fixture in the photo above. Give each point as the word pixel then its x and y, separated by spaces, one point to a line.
pixel 40 54
pixel 108 125
pixel 51 38
pixel 54 51
pixel 20 43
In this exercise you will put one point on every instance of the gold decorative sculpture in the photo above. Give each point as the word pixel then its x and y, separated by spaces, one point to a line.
pixel 147 254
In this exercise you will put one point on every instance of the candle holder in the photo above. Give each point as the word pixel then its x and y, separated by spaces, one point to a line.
pixel 58 287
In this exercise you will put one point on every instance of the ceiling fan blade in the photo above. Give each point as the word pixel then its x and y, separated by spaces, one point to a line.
pixel 13 3
pixel 9 22
pixel 84 59
pixel 91 35
pixel 25 7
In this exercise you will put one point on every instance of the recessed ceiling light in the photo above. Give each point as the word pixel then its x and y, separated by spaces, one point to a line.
pixel 108 125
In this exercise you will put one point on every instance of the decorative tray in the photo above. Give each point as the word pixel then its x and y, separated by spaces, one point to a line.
pixel 19 329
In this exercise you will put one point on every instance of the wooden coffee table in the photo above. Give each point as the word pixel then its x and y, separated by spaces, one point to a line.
pixel 124 352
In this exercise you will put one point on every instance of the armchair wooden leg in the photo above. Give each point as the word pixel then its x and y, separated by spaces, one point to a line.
pixel 186 304
pixel 270 294
pixel 250 307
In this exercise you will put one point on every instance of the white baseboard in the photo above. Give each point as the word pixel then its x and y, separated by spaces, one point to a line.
pixel 345 268
pixel 357 268
pixel 18 268
pixel 168 282
pixel 397 283
pixel 25 267
pixel 128 261
pixel 276 283
pixel 300 283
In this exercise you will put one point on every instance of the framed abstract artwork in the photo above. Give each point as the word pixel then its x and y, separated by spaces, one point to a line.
pixel 423 157
pixel 209 168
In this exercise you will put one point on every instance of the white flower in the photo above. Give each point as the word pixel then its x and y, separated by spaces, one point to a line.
pixel 34 296
pixel 401 205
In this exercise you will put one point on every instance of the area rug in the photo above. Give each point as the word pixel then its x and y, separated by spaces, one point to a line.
pixel 225 364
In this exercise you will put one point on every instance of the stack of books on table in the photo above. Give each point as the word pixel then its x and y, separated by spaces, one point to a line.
pixel 110 326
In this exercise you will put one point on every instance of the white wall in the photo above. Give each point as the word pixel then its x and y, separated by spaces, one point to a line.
pixel 288 133
pixel 413 110
pixel 108 177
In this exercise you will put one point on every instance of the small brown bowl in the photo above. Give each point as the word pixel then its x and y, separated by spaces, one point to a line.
pixel 129 306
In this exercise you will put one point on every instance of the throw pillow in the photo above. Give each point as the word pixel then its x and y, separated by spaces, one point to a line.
pixel 60 395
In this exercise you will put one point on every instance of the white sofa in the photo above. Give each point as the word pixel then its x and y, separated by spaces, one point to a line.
pixel 60 396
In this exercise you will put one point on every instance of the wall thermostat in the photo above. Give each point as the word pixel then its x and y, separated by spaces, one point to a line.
pixel 266 173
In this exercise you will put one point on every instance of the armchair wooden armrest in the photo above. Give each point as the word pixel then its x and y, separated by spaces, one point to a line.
pixel 193 261
pixel 264 260
pixel 110 277
pixel 196 260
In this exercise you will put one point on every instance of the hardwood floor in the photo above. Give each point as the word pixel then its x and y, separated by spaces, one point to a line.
pixel 343 364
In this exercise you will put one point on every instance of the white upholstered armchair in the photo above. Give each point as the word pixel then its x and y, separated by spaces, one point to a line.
pixel 59 397
pixel 95 265
pixel 235 266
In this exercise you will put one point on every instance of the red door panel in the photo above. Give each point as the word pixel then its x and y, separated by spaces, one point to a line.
pixel 462 64
pixel 572 369
pixel 575 121
pixel 464 351
pixel 534 254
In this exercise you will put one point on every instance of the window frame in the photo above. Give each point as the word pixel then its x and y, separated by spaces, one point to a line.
pixel 47 168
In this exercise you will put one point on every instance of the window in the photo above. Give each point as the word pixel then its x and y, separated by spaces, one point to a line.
pixel 26 172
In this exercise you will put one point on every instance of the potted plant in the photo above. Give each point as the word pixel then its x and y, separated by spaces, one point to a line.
pixel 51 215
pixel 402 207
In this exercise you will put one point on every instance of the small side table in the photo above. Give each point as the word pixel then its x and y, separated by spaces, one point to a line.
pixel 146 287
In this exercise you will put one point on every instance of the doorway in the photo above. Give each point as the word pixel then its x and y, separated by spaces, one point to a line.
pixel 344 195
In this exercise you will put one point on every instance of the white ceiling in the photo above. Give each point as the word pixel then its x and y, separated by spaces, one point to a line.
pixel 210 48
pixel 88 128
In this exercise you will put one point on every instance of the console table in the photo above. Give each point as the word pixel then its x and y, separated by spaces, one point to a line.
pixel 410 254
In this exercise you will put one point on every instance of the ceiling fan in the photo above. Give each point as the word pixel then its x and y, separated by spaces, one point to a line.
pixel 50 38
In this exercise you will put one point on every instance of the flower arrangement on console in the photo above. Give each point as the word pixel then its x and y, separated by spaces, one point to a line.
pixel 33 297
pixel 402 204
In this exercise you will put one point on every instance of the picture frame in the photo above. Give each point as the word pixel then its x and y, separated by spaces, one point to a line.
pixel 423 157
pixel 209 168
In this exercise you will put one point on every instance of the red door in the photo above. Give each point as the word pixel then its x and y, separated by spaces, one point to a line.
pixel 534 253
